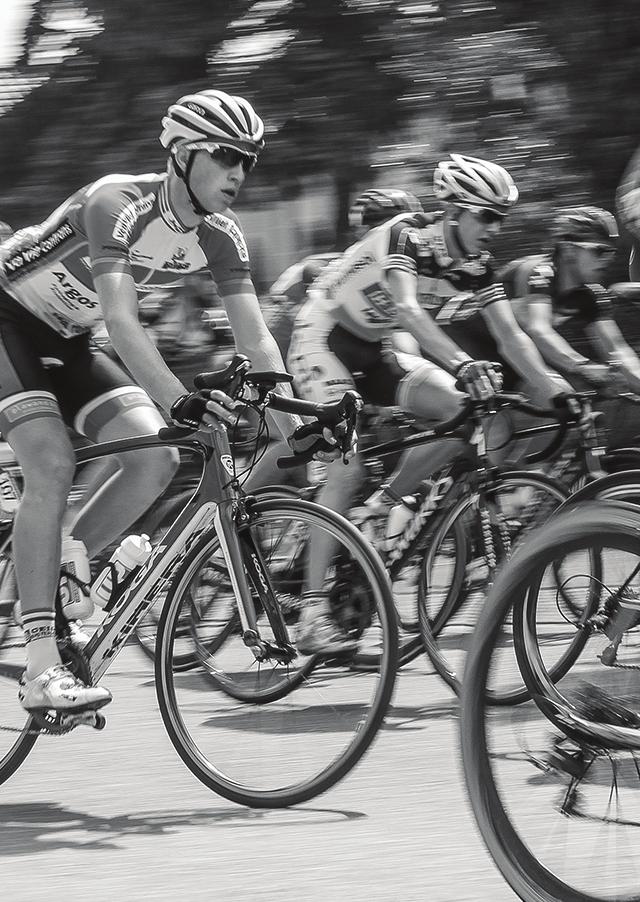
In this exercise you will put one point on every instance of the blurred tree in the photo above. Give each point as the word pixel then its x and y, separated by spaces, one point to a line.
pixel 599 45
pixel 99 110
pixel 330 87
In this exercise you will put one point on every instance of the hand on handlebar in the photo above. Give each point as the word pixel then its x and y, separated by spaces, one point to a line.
pixel 199 409
pixel 480 379
pixel 325 443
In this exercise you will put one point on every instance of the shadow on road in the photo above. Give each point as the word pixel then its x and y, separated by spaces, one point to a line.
pixel 403 717
pixel 33 828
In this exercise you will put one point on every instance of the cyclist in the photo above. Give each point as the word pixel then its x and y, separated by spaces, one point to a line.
pixel 89 260
pixel 412 272
pixel 560 302
pixel 628 209
pixel 287 294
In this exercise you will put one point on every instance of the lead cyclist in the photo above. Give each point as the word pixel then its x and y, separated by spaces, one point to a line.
pixel 91 260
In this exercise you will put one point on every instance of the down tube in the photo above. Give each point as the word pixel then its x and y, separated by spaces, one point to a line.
pixel 153 578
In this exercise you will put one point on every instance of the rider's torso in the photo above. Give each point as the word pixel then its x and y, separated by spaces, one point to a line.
pixel 572 310
pixel 121 223
pixel 353 291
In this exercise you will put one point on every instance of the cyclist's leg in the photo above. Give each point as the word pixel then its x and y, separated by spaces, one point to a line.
pixel 267 472
pixel 429 393
pixel 321 376
pixel 634 261
pixel 31 421
pixel 108 407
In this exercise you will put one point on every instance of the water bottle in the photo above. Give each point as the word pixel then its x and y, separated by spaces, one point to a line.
pixel 9 494
pixel 131 553
pixel 399 515
pixel 75 598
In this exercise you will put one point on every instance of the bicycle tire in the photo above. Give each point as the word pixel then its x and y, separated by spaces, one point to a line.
pixel 366 727
pixel 435 641
pixel 598 524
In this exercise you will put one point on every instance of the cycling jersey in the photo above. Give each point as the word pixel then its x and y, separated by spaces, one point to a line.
pixel 353 291
pixel 287 294
pixel 293 283
pixel 571 311
pixel 120 223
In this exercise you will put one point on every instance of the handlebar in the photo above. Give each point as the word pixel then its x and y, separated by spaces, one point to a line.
pixel 232 378
pixel 479 409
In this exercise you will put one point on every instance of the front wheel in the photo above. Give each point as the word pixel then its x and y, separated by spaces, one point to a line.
pixel 452 592
pixel 555 783
pixel 300 726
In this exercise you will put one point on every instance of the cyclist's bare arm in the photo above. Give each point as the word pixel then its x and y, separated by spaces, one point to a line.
pixel 252 338
pixel 517 348
pixel 435 343
pixel 535 317
pixel 608 339
pixel 119 302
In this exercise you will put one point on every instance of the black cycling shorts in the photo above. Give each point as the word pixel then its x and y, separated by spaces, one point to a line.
pixel 36 359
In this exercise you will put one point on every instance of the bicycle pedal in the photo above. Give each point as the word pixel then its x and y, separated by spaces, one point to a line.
pixel 90 718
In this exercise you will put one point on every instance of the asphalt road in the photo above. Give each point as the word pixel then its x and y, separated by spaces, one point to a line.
pixel 116 815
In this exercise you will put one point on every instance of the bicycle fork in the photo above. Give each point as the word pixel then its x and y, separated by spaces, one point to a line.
pixel 246 571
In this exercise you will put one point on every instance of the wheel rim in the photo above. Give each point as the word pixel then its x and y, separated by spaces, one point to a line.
pixel 274 744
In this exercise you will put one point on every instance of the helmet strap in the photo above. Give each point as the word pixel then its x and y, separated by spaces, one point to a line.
pixel 454 230
pixel 184 175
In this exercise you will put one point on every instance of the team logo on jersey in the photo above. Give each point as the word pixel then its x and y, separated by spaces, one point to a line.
pixel 381 301
pixel 541 276
pixel 332 285
pixel 459 307
pixel 224 224
pixel 36 251
pixel 177 261
pixel 125 223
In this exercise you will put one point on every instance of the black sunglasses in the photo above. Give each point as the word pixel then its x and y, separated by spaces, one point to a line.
pixel 230 157
pixel 488 217
pixel 598 250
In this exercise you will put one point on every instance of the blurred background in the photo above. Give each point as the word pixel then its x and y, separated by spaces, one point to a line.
pixel 354 93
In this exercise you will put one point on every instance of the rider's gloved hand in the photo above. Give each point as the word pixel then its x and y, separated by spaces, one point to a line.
pixel 566 403
pixel 324 442
pixel 198 409
pixel 480 379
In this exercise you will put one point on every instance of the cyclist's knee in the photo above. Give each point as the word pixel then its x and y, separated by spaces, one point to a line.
pixel 153 468
pixel 48 476
pixel 430 393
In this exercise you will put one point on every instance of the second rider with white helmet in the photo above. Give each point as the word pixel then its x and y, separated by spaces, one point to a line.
pixel 430 275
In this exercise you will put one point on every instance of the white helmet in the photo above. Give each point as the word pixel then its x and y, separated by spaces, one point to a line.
pixel 216 117
pixel 474 184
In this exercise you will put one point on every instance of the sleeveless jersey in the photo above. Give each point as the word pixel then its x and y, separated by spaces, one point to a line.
pixel 120 223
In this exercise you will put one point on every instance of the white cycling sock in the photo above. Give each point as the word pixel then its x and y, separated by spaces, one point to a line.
pixel 40 636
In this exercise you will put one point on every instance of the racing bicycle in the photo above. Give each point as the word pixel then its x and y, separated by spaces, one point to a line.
pixel 307 720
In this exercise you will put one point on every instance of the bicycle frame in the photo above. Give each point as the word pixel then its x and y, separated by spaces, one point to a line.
pixel 213 504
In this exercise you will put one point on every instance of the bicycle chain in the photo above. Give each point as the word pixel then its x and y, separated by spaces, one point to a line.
pixel 487 536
